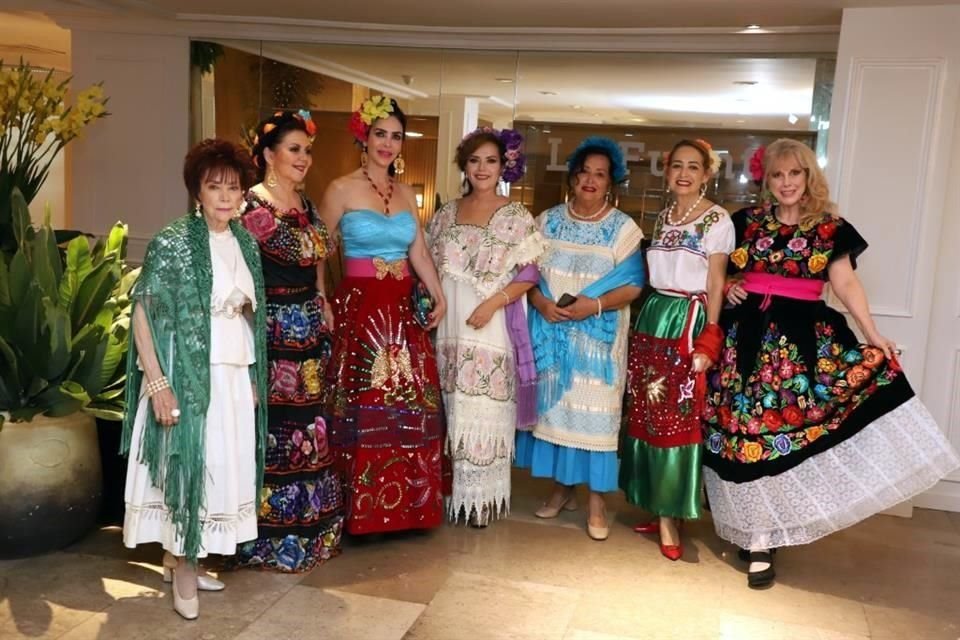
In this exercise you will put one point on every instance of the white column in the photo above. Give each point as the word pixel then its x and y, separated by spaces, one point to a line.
pixel 893 166
pixel 129 165
pixel 458 117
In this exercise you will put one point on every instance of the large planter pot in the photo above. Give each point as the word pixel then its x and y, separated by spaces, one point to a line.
pixel 50 483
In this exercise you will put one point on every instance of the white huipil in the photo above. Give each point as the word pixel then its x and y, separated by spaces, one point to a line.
pixel 229 513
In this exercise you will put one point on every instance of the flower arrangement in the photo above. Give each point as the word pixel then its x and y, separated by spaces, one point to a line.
pixel 369 111
pixel 35 124
pixel 516 161
pixel 715 159
pixel 756 164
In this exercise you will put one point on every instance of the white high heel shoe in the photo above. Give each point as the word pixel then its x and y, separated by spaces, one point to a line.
pixel 204 582
pixel 188 608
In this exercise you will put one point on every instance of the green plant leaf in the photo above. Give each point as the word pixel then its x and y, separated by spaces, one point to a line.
pixel 46 261
pixel 79 266
pixel 57 331
pixel 117 241
pixel 20 278
pixel 93 293
pixel 20 214
pixel 105 411
pixel 112 357
pixel 63 400
pixel 5 299
pixel 10 385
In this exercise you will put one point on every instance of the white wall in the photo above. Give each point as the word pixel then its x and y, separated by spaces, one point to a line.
pixel 128 166
pixel 893 152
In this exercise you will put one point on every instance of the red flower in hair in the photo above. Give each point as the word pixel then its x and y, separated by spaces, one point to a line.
pixel 756 164
pixel 358 128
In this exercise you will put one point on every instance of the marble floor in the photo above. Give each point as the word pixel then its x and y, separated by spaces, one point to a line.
pixel 886 578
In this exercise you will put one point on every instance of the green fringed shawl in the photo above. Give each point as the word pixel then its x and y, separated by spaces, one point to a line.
pixel 174 289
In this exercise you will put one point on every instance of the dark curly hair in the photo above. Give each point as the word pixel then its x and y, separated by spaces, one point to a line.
pixel 283 122
pixel 470 145
pixel 214 157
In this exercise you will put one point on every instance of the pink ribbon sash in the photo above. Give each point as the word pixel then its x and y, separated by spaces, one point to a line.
pixel 376 268
pixel 769 285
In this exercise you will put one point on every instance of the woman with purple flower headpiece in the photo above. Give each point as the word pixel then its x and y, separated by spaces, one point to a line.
pixel 485 248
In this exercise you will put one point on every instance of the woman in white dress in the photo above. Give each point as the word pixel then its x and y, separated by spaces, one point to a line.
pixel 485 248
pixel 195 378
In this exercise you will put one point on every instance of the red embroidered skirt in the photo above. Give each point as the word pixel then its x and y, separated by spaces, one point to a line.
pixel 385 419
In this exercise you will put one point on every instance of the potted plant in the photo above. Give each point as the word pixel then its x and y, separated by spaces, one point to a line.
pixel 35 124
pixel 64 327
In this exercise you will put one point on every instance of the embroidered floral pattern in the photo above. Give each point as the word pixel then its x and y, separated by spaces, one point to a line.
pixel 691 239
pixel 803 250
pixel 476 371
pixel 786 404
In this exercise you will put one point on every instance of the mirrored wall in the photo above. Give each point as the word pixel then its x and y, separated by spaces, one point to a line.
pixel 646 102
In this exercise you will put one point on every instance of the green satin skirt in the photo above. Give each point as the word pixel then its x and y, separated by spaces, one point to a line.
pixel 665 481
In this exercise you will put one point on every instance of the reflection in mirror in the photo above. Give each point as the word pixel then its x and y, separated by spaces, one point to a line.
pixel 647 102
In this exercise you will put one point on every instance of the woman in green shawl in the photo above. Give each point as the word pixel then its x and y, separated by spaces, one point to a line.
pixel 196 377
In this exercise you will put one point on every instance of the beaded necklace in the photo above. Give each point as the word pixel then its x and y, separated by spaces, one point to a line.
pixel 386 198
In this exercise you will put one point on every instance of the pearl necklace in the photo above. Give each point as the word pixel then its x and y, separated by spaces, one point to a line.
pixel 592 216
pixel 683 219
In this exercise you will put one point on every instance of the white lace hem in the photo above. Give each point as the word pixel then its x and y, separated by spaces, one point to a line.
pixel 898 456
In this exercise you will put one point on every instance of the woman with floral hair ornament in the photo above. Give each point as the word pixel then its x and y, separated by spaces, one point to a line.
pixel 590 273
pixel 386 428
pixel 675 340
pixel 808 429
pixel 301 504
pixel 485 248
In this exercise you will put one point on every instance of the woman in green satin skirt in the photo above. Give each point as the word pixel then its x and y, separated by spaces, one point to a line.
pixel 672 345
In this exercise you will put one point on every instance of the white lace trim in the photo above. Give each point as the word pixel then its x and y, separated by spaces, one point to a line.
pixel 898 456
pixel 479 486
pixel 482 427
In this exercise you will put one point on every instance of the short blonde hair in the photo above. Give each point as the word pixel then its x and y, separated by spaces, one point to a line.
pixel 816 202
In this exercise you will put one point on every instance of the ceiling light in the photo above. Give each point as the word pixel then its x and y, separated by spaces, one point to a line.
pixel 746 83
pixel 638 119
pixel 596 115
pixel 413 134
pixel 504 80
pixel 792 119
pixel 753 27
pixel 741 121
pixel 548 93
pixel 629 135
pixel 577 107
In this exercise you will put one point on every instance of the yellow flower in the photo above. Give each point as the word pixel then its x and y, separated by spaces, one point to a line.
pixel 739 257
pixel 817 262
pixel 814 432
pixel 375 108
pixel 752 451
pixel 826 365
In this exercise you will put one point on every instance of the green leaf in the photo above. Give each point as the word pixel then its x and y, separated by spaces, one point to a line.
pixel 63 400
pixel 127 282
pixel 20 213
pixel 46 262
pixel 117 241
pixel 112 358
pixel 57 331
pixel 25 414
pixel 5 299
pixel 87 368
pixel 10 385
pixel 79 266
pixel 20 278
pixel 93 293
pixel 105 411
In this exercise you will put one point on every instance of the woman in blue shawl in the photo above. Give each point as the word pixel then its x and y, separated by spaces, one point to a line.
pixel 580 345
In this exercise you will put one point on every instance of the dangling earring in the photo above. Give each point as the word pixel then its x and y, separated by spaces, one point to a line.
pixel 363 158
pixel 703 189
pixel 198 210
pixel 271 178
pixel 399 165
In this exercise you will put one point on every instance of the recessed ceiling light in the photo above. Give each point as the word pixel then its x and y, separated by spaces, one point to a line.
pixel 577 107
pixel 414 134
pixel 638 119
pixel 746 83
pixel 753 27
pixel 596 115
pixel 740 121
pixel 504 80
pixel 629 135
pixel 548 93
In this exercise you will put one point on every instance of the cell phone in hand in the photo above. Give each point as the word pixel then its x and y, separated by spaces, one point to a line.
pixel 566 300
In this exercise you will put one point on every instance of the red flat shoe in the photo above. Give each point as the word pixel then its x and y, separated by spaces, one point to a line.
pixel 648 527
pixel 671 551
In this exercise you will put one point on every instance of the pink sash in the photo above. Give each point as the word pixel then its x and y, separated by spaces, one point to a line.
pixel 769 285
pixel 376 268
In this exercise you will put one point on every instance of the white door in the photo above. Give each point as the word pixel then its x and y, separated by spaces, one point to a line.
pixel 892 154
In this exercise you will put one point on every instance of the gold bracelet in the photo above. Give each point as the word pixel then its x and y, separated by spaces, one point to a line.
pixel 505 295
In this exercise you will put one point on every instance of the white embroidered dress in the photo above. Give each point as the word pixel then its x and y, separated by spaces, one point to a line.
pixel 229 514
pixel 478 376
